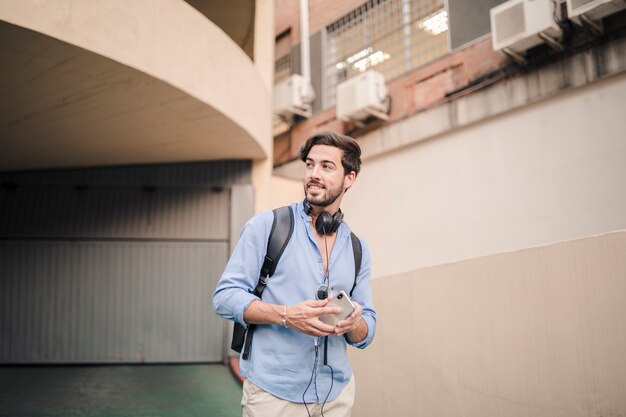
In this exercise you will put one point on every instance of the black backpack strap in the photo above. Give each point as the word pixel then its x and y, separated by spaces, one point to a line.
pixel 358 257
pixel 282 229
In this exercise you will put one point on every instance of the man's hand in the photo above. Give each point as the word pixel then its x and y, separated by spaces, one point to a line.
pixel 354 326
pixel 304 317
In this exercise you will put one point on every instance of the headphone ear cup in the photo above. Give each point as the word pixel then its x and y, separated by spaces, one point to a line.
pixel 324 223
pixel 327 223
pixel 307 207
pixel 338 218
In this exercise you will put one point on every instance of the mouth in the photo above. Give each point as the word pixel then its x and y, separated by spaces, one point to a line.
pixel 314 186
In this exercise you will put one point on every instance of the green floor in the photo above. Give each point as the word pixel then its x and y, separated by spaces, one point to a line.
pixel 141 390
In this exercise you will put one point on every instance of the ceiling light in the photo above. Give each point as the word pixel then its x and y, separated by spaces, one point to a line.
pixel 435 24
pixel 370 61
pixel 359 55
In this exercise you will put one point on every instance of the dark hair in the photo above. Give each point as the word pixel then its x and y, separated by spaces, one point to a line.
pixel 351 158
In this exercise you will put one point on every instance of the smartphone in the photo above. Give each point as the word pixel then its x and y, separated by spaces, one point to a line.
pixel 342 301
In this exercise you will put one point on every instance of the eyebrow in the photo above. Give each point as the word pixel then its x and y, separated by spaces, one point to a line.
pixel 324 161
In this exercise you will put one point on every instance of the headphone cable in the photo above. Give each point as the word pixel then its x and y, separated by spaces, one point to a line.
pixel 332 379
pixel 310 381
pixel 327 271
pixel 332 376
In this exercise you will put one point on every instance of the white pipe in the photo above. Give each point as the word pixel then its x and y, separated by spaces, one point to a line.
pixel 406 23
pixel 305 53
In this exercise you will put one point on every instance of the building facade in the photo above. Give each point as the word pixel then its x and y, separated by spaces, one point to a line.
pixel 491 197
pixel 135 140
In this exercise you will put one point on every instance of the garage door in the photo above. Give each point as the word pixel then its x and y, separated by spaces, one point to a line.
pixel 109 301
pixel 111 273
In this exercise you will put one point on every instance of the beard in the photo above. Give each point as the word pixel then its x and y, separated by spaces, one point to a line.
pixel 325 198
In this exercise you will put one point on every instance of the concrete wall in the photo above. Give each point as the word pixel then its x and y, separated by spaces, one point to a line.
pixel 536 332
pixel 543 173
pixel 264 61
pixel 171 41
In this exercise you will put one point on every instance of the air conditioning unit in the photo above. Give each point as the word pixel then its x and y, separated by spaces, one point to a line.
pixel 593 9
pixel 363 96
pixel 291 97
pixel 518 25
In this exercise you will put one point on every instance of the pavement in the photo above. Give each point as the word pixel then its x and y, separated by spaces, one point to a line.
pixel 188 390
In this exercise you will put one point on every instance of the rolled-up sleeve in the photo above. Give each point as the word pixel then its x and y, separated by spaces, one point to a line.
pixel 235 289
pixel 362 294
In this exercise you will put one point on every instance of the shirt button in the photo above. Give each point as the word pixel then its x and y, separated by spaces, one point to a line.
pixel 319 260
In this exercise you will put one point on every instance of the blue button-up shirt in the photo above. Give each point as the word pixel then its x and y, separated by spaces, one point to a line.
pixel 282 360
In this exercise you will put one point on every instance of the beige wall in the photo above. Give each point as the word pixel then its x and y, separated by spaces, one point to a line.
pixel 536 332
pixel 284 191
pixel 545 173
pixel 487 307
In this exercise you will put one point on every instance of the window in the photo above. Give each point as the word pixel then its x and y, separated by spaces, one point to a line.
pixel 390 36
pixel 282 51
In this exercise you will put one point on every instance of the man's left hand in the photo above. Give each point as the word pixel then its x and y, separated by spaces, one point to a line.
pixel 354 325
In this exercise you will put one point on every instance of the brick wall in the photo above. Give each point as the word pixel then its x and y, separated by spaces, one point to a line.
pixel 411 93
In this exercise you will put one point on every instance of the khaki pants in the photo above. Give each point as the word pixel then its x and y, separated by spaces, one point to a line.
pixel 258 403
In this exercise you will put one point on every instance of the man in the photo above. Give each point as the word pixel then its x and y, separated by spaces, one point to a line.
pixel 298 365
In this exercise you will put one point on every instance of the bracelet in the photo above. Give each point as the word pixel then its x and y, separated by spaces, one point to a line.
pixel 285 317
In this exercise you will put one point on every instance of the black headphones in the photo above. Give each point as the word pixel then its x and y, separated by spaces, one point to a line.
pixel 326 223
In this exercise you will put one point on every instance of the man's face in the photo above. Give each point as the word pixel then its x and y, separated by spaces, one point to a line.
pixel 324 180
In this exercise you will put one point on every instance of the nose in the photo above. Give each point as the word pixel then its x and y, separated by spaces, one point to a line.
pixel 314 172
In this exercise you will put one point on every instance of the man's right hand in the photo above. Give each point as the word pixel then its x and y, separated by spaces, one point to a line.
pixel 304 317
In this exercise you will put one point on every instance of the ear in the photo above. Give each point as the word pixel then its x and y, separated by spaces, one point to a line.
pixel 348 180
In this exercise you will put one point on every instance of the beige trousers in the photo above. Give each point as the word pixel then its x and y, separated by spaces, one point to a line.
pixel 258 403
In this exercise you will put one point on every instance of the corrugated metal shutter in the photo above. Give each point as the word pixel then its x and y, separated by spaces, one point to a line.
pixel 72 302
pixel 114 213
pixel 118 269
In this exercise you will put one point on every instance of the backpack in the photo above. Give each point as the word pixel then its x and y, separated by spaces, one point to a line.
pixel 282 229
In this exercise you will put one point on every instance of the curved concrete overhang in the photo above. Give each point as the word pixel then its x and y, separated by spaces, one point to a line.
pixel 108 83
